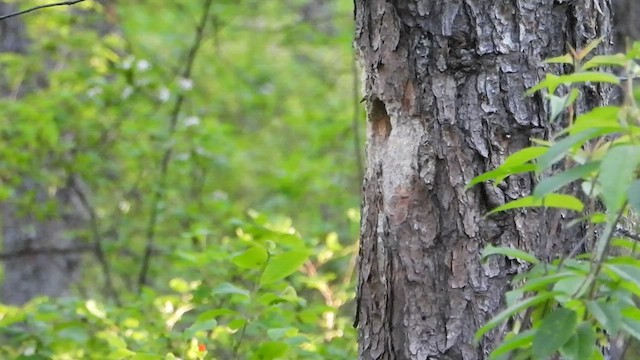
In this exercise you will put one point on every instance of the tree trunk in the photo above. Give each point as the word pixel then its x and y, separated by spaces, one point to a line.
pixel 444 87
pixel 34 254
pixel 627 23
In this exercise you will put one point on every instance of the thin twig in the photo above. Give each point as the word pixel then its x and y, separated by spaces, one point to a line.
pixel 624 232
pixel 166 158
pixel 97 241
pixel 18 13
pixel 12 255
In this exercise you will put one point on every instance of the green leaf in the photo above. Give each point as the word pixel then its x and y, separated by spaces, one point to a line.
pixel 272 350
pixel 559 149
pixel 179 285
pixel 509 252
pixel 555 330
pixel 608 314
pixel 283 265
pixel 582 53
pixel 510 343
pixel 633 193
pixel 510 311
pixel 599 117
pixel 564 59
pixel 550 82
pixel 581 344
pixel 589 76
pixel 200 326
pixel 560 201
pixel 555 182
pixel 227 288
pixel 617 172
pixel 253 258
pixel 605 60
pixel 212 314
pixel 629 273
pixel 500 173
pixel 524 155
pixel 632 327
pixel 560 103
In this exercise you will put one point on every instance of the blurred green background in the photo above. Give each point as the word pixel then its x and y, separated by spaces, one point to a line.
pixel 211 156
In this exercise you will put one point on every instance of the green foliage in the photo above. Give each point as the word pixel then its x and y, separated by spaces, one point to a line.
pixel 261 128
pixel 573 306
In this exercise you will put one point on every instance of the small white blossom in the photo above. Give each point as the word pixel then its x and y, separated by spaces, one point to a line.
pixel 127 62
pixel 143 65
pixel 127 92
pixel 185 84
pixel 191 121
pixel 164 94
pixel 94 91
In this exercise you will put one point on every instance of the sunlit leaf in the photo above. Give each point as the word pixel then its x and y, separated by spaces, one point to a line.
pixel 560 201
pixel 283 265
pixel 605 60
pixel 252 258
pixel 598 117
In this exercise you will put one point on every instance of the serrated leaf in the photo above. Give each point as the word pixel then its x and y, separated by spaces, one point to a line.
pixel 556 328
pixel 283 265
pixel 559 201
pixel 509 252
pixel 252 258
pixel 555 182
pixel 510 311
pixel 617 172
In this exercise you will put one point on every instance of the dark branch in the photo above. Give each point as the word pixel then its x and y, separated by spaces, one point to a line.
pixel 70 2
pixel 624 232
pixel 11 255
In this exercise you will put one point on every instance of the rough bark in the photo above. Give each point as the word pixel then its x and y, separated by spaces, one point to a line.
pixel 444 87
pixel 627 22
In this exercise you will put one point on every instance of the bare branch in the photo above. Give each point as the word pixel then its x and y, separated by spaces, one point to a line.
pixel 70 2
pixel 45 251
pixel 166 158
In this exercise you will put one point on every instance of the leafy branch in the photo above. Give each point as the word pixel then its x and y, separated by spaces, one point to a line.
pixel 166 157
